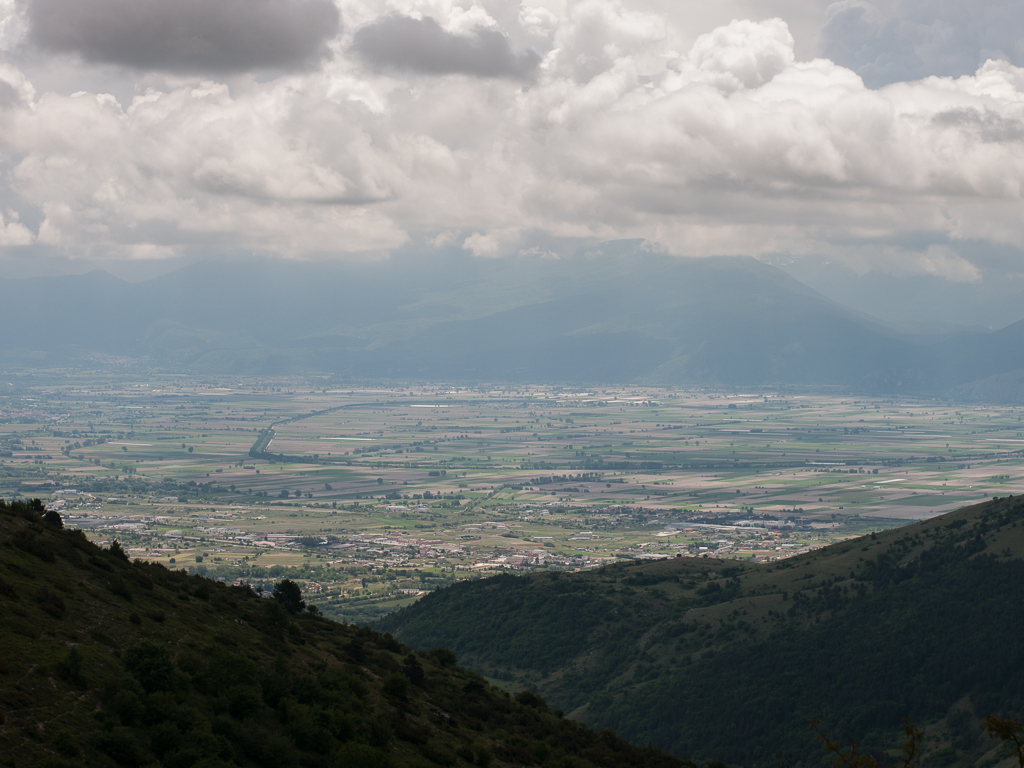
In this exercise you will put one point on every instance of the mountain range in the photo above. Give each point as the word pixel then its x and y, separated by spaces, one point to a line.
pixel 617 315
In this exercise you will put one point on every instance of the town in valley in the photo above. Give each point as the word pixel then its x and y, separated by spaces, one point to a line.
pixel 370 496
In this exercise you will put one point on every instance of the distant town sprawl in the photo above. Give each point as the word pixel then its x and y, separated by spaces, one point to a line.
pixel 371 496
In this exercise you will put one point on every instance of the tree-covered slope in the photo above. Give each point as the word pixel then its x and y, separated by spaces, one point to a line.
pixel 104 662
pixel 722 659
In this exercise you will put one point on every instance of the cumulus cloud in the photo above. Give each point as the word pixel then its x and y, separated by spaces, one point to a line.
pixel 422 45
pixel 728 144
pixel 912 39
pixel 13 232
pixel 187 35
pixel 597 36
pixel 944 262
pixel 171 171
pixel 744 54
pixel 15 89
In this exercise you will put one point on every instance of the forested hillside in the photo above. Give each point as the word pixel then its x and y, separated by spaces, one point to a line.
pixel 104 662
pixel 710 658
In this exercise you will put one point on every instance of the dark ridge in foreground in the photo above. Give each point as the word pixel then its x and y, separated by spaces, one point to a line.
pixel 723 659
pixel 104 662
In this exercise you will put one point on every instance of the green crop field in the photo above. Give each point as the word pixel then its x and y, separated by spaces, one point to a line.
pixel 372 496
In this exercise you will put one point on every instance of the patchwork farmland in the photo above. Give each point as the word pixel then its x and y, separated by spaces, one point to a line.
pixel 370 496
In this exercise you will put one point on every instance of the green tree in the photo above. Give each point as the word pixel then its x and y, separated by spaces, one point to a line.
pixel 289 595
pixel 1010 732
pixel 118 551
pixel 851 758
pixel 73 665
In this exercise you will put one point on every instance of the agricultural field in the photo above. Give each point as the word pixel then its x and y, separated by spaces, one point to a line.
pixel 371 496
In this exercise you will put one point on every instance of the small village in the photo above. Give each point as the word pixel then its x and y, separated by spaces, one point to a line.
pixel 383 566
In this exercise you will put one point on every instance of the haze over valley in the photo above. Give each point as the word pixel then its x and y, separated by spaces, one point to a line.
pixel 506 383
pixel 613 314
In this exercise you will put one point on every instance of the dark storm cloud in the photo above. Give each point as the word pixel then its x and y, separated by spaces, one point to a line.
pixel 422 45
pixel 187 35
pixel 988 126
pixel 9 97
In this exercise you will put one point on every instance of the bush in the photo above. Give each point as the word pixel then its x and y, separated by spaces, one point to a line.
pixel 66 744
pixel 163 737
pixel 150 664
pixel 360 756
pixel 532 700
pixel 244 701
pixel 50 602
pixel 439 754
pixel 72 666
pixel 29 542
pixel 121 745
pixel 396 686
pixel 413 670
pixel 443 657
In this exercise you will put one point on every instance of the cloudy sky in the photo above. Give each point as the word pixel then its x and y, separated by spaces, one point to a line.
pixel 884 135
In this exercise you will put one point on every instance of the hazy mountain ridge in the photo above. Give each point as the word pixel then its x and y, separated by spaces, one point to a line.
pixel 629 316
pixel 719 658
pixel 109 663
pixel 1002 388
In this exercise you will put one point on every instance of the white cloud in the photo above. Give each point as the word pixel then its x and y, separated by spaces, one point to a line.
pixel 538 20
pixel 15 89
pixel 13 26
pixel 902 261
pixel 744 54
pixel 489 244
pixel 463 21
pixel 944 262
pixel 728 145
pixel 13 232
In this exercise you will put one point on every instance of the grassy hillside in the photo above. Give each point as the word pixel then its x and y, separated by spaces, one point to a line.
pixel 710 658
pixel 104 662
